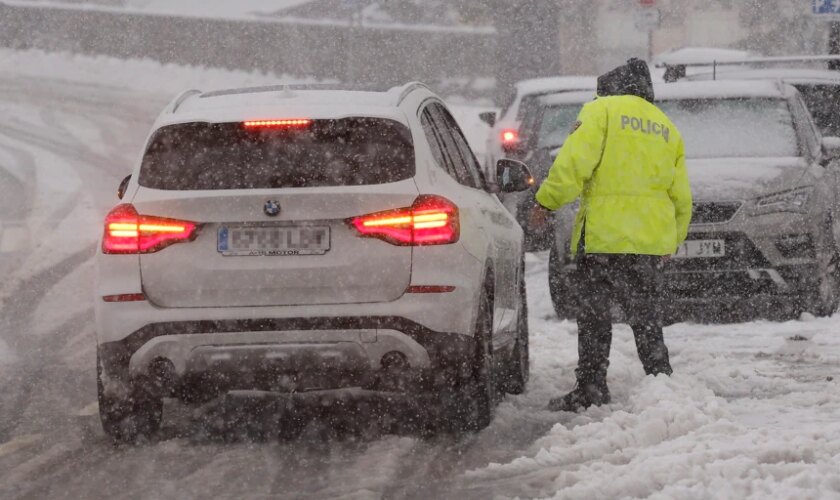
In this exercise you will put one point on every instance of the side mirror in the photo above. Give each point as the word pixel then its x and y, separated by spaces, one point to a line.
pixel 123 186
pixel 488 117
pixel 513 176
pixel 830 149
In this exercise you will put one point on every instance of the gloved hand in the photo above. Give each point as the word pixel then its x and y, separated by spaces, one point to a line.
pixel 539 217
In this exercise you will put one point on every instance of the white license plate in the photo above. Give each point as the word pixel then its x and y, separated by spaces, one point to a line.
pixel 273 240
pixel 692 249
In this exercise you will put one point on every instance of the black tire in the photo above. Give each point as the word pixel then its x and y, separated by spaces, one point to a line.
pixel 520 363
pixel 824 298
pixel 560 286
pixel 472 408
pixel 127 419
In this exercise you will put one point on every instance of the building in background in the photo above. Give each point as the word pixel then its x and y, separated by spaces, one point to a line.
pixel 607 34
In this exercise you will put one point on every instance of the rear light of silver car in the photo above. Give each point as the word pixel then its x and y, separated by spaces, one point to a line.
pixel 127 232
pixel 430 220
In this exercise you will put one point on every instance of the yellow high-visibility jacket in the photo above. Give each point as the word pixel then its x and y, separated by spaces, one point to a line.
pixel 626 161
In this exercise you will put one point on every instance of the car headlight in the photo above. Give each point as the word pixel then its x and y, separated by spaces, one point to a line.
pixel 795 200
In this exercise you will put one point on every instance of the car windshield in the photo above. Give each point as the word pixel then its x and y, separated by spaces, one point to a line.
pixel 556 125
pixel 734 128
pixel 823 102
pixel 343 152
pixel 530 101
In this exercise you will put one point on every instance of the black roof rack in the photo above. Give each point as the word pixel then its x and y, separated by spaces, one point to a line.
pixel 674 72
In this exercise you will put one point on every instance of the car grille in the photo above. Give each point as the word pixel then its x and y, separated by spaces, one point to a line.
pixel 712 212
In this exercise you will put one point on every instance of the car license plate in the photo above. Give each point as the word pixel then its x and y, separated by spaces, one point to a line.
pixel 691 249
pixel 273 240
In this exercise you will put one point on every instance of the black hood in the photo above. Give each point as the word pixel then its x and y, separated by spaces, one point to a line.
pixel 632 78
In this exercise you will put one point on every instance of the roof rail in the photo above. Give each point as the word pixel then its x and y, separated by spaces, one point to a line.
pixel 677 70
pixel 183 96
pixel 409 88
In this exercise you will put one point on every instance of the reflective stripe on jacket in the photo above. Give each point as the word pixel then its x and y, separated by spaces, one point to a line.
pixel 626 161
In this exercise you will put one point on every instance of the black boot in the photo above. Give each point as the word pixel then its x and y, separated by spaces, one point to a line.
pixel 582 397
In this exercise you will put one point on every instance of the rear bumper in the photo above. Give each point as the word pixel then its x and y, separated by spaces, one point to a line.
pixel 290 354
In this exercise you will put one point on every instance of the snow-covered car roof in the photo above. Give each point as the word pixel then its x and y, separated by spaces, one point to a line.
pixel 578 97
pixel 691 90
pixel 556 83
pixel 722 89
pixel 324 101
pixel 792 75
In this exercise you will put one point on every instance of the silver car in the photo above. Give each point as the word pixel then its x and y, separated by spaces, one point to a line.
pixel 765 227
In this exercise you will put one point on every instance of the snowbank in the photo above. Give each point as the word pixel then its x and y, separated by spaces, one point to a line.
pixel 164 81
pixel 224 9
pixel 138 74
pixel 750 413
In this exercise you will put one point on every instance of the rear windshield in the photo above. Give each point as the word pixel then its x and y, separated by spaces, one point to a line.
pixel 734 128
pixel 823 102
pixel 343 152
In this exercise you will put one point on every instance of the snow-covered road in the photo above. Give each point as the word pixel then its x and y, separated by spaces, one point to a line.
pixel 753 409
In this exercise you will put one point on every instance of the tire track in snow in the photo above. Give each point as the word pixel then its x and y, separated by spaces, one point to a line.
pixel 32 380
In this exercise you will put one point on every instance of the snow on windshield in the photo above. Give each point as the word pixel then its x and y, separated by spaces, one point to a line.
pixel 734 128
pixel 556 125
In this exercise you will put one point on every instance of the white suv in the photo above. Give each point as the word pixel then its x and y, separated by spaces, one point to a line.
pixel 299 238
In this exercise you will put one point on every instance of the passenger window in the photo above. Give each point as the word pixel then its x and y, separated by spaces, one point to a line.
pixel 432 138
pixel 447 151
pixel 466 166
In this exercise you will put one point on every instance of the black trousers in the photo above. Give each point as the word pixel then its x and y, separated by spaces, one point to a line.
pixel 635 282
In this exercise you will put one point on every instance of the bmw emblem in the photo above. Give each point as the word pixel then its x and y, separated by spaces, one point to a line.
pixel 272 208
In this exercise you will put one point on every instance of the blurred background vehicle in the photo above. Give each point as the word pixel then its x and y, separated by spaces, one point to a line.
pixel 504 136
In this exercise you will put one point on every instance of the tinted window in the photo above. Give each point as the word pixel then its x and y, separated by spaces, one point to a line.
pixel 427 122
pixel 734 128
pixel 448 131
pixel 823 101
pixel 466 155
pixel 345 152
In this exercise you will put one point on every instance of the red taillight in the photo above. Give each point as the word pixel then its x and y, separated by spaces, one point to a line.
pixel 509 136
pixel 126 231
pixel 431 220
pixel 287 123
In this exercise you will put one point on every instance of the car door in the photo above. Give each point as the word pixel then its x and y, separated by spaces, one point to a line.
pixel 504 244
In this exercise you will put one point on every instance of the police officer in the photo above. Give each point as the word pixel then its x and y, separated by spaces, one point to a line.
pixel 625 159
